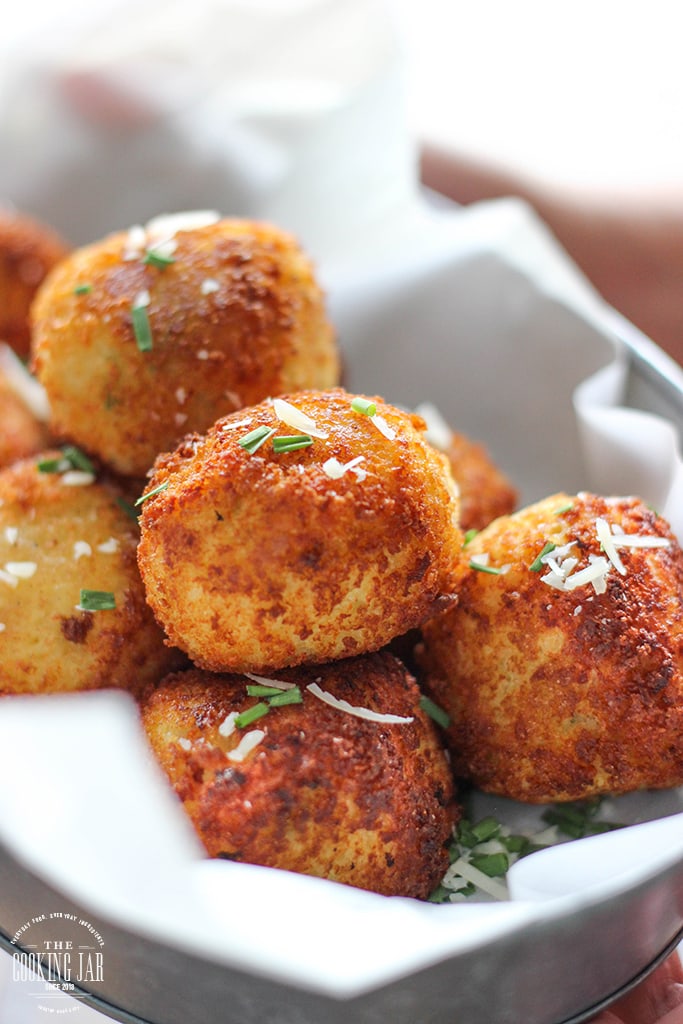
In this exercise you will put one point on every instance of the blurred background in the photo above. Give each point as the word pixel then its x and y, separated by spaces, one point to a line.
pixel 575 107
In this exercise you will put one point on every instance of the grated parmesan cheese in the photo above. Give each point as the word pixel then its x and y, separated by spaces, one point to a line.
pixel 594 573
pixel 7 578
pixel 2 627
pixel 277 684
pixel 77 478
pixel 22 570
pixel 184 743
pixel 11 534
pixel 296 418
pixel 249 741
pixel 634 540
pixel 208 286
pixel 492 886
pixel 604 535
pixel 82 549
pixel 383 427
pixel 351 709
pixel 227 726
pixel 109 547
pixel 336 469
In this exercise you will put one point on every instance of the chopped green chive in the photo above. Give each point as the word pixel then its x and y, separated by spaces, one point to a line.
pixel 142 328
pixel 252 714
pixel 436 713
pixel 440 895
pixel 150 494
pixel 564 508
pixel 252 441
pixel 492 864
pixel 363 406
pixel 537 563
pixel 82 289
pixel 78 459
pixel 97 600
pixel 257 690
pixel 154 258
pixel 72 458
pixel 469 536
pixel 487 828
pixel 577 820
pixel 480 567
pixel 285 697
pixel 276 698
pixel 291 442
pixel 53 466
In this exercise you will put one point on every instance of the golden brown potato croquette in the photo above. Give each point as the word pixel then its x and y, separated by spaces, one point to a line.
pixel 61 534
pixel 255 558
pixel 310 787
pixel 158 331
pixel 561 664
pixel 28 250
pixel 21 434
pixel 485 491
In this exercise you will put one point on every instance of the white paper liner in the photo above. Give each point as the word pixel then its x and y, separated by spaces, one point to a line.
pixel 476 310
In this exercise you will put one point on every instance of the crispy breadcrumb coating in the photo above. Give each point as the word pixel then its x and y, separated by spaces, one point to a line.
pixel 61 534
pixel 321 791
pixel 28 250
pixel 253 561
pixel 563 680
pixel 155 332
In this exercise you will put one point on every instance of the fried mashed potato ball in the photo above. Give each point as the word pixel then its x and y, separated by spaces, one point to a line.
pixel 485 491
pixel 155 332
pixel 28 250
pixel 561 667
pixel 310 787
pixel 59 535
pixel 21 434
pixel 255 558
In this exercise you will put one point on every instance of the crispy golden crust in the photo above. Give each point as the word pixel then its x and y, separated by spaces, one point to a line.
pixel 323 793
pixel 252 562
pixel 28 250
pixel 237 316
pixel 21 434
pixel 68 538
pixel 485 492
pixel 563 694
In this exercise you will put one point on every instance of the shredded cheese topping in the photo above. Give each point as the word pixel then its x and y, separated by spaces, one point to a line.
pixel 563 573
pixel 336 469
pixel 249 741
pixel 77 478
pixel 21 570
pixel 296 418
pixel 82 549
pixel 383 427
pixel 227 726
pixel 351 709
pixel 277 684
